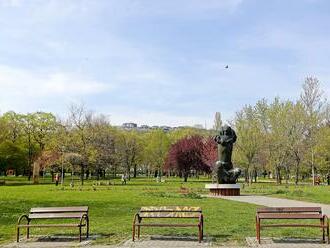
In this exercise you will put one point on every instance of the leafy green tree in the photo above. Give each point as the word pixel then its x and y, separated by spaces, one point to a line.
pixel 249 141
pixel 129 150
pixel 12 156
pixel 312 100
pixel 322 150
pixel 155 150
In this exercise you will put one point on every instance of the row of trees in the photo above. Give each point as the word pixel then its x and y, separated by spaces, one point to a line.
pixel 280 138
pixel 85 143
pixel 286 139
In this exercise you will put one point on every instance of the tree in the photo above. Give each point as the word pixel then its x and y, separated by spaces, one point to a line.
pixel 249 143
pixel 210 152
pixel 312 101
pixel 296 138
pixel 156 149
pixel 32 150
pixel 78 125
pixel 217 121
pixel 41 126
pixel 12 156
pixel 128 148
pixel 322 150
pixel 281 126
pixel 13 126
pixel 186 155
pixel 103 143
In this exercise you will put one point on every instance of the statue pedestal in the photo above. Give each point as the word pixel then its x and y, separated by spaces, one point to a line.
pixel 224 189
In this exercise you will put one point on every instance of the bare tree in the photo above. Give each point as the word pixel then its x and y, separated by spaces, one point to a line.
pixel 217 121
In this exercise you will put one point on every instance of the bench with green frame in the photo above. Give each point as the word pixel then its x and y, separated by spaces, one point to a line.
pixel 52 213
pixel 168 212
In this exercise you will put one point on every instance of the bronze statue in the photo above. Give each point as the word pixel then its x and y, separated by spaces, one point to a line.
pixel 224 172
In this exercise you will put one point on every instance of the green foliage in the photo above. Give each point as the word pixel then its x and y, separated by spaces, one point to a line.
pixel 12 156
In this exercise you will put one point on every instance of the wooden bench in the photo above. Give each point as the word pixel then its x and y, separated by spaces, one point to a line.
pixel 51 213
pixel 294 213
pixel 178 212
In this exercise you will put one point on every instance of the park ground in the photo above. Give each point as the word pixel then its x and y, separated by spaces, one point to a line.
pixel 112 207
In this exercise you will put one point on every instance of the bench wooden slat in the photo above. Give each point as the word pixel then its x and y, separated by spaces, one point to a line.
pixel 166 224
pixel 289 210
pixel 294 225
pixel 51 225
pixel 170 209
pixel 289 216
pixel 180 212
pixel 59 209
pixel 56 216
pixel 169 215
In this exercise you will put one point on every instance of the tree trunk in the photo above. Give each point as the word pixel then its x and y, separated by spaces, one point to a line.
pixel 82 172
pixel 297 172
pixel 134 175
pixel 287 176
pixel 278 175
pixel 185 176
pixel 255 175
pixel 246 175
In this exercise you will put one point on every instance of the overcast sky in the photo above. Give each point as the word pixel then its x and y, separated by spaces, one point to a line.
pixel 159 62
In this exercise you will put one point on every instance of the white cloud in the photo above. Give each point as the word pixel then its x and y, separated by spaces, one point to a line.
pixel 10 3
pixel 20 87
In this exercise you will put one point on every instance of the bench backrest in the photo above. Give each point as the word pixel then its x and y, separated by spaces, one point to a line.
pixel 170 212
pixel 57 212
pixel 290 210
pixel 171 209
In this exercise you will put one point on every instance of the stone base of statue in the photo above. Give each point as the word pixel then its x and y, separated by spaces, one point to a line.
pixel 224 189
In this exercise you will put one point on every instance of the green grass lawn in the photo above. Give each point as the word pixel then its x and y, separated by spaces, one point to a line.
pixel 302 192
pixel 112 208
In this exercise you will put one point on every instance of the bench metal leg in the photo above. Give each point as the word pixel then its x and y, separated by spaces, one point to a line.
pixel 87 227
pixel 139 227
pixel 199 233
pixel 28 231
pixel 133 226
pixel 79 233
pixel 323 230
pixel 202 220
pixel 17 234
pixel 258 229
pixel 328 231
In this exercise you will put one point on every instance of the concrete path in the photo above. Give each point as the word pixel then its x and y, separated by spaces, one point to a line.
pixel 275 202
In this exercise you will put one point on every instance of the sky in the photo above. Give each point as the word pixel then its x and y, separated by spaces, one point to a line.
pixel 159 62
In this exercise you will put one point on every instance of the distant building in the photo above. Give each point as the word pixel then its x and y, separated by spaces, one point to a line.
pixel 129 125
pixel 166 128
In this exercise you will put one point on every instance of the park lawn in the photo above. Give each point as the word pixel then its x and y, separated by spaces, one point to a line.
pixel 302 192
pixel 112 209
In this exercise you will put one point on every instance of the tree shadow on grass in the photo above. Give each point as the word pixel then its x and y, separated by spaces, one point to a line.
pixel 69 237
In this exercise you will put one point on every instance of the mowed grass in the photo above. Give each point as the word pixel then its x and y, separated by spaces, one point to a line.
pixel 302 192
pixel 112 208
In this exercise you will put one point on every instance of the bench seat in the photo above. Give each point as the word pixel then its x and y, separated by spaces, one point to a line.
pixel 294 213
pixel 79 214
pixel 168 212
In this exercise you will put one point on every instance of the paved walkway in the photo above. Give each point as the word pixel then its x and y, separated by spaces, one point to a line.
pixel 275 202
